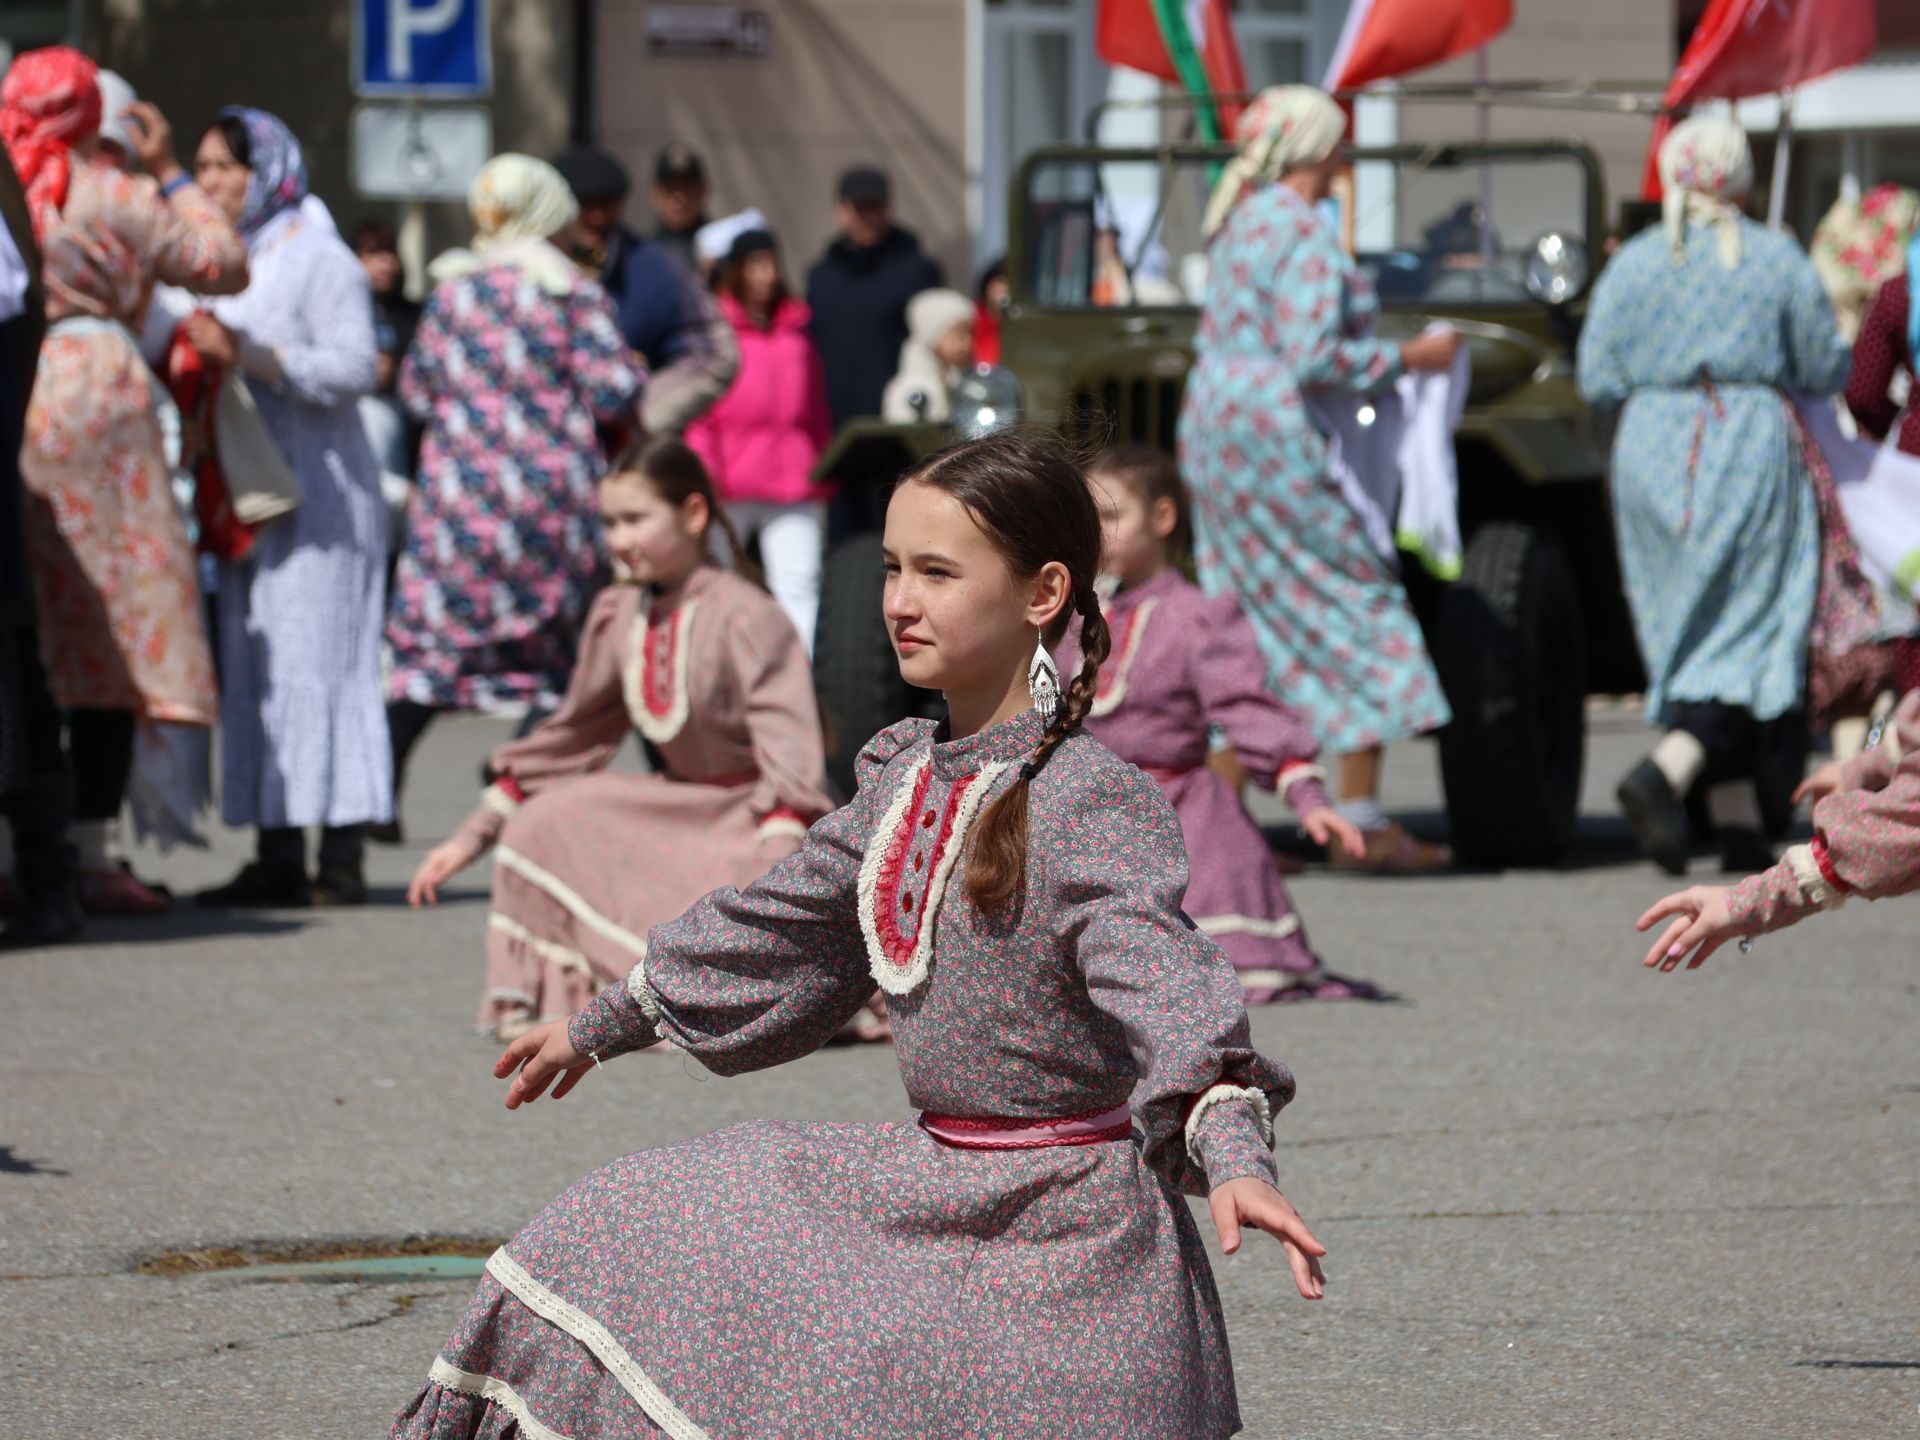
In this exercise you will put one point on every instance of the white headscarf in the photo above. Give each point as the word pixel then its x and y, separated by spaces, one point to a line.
pixel 1287 127
pixel 712 240
pixel 518 204
pixel 115 96
pixel 1706 169
pixel 930 315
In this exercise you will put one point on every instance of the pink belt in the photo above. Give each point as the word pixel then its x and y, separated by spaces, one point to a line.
pixel 993 1132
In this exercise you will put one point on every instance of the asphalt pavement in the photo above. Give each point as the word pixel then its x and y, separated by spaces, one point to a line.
pixel 1564 1197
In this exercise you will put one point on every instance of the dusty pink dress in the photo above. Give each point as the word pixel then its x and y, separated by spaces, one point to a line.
pixel 714 678
pixel 1866 838
pixel 113 578
pixel 1184 665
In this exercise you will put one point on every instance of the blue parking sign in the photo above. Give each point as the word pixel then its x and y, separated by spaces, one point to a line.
pixel 421 47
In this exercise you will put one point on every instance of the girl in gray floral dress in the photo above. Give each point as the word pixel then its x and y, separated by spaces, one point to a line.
pixel 1014 1261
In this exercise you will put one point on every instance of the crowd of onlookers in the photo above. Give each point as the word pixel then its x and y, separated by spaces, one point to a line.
pixel 262 486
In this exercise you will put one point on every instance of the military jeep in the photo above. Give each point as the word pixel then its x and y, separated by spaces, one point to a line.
pixel 1107 268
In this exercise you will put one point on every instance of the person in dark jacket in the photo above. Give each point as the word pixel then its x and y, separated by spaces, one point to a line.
pixel 679 201
pixel 673 323
pixel 859 291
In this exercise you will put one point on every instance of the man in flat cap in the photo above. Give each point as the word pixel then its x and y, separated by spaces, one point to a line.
pixel 664 312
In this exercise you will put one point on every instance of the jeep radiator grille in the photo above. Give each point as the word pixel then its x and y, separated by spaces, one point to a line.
pixel 1119 411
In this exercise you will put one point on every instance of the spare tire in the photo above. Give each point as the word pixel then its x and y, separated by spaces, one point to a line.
pixel 854 670
pixel 1510 645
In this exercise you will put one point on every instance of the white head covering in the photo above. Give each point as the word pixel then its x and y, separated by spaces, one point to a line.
pixel 930 315
pixel 711 242
pixel 1706 169
pixel 518 204
pixel 1286 127
pixel 115 96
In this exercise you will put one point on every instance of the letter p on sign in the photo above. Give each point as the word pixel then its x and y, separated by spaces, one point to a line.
pixel 421 48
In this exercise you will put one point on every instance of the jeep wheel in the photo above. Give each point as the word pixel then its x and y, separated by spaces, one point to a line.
pixel 1510 646
pixel 854 671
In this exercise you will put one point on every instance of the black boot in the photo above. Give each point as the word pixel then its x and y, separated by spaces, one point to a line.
pixel 264 885
pixel 1658 817
pixel 342 878
pixel 48 869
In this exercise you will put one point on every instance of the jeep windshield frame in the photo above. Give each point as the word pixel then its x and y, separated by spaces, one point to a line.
pixel 1166 160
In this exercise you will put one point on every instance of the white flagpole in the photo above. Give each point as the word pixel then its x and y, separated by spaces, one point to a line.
pixel 1782 165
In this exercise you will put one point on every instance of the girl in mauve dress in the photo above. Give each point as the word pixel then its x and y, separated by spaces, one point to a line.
pixel 1866 841
pixel 709 670
pixel 1183 666
pixel 1015 1260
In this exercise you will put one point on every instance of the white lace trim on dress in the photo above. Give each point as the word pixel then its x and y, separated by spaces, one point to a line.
pixel 565 956
pixel 595 1336
pixel 1813 884
pixel 569 900
pixel 499 802
pixel 1220 1095
pixel 496 1391
pixel 889 974
pixel 1107 701
pixel 1248 925
pixel 660 729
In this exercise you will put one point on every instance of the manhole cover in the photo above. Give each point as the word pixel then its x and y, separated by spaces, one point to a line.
pixel 419 1257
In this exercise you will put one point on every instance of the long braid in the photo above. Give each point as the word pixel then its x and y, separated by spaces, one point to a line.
pixel 742 564
pixel 997 858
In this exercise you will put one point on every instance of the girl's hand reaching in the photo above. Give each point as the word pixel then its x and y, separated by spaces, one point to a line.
pixel 1251 1201
pixel 1325 825
pixel 1820 784
pixel 540 1055
pixel 443 862
pixel 1704 921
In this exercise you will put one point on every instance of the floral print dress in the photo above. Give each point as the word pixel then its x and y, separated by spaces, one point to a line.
pixel 1287 313
pixel 792 1279
pixel 502 552
pixel 114 585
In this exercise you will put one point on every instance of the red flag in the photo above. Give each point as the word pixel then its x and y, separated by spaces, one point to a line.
pixel 1385 38
pixel 1759 47
pixel 1129 33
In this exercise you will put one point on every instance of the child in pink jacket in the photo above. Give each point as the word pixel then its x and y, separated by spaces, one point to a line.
pixel 762 440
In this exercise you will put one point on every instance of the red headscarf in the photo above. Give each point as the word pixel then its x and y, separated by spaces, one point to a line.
pixel 49 102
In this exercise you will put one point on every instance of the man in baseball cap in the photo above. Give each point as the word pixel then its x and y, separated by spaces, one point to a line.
pixel 679 199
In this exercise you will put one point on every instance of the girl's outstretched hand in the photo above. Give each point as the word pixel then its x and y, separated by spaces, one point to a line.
pixel 442 863
pixel 540 1055
pixel 1325 825
pixel 1251 1201
pixel 1820 784
pixel 1703 921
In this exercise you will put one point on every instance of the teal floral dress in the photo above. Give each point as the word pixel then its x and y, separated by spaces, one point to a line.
pixel 1287 313
pixel 1714 506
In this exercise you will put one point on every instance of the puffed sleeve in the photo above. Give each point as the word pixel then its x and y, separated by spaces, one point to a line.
pixel 579 738
pixel 1316 290
pixel 333 358
pixel 191 243
pixel 1876 357
pixel 1206 1098
pixel 1818 355
pixel 783 719
pixel 423 373
pixel 1602 358
pixel 1273 740
pixel 607 375
pixel 756 977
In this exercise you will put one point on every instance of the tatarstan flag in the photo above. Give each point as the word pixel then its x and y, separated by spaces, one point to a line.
pixel 1189 42
pixel 1385 38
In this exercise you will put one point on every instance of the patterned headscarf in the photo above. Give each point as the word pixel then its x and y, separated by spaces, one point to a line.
pixel 1706 169
pixel 1287 127
pixel 518 204
pixel 277 181
pixel 49 103
pixel 1861 244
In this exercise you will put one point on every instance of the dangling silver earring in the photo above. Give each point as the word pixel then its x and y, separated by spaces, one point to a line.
pixel 1043 681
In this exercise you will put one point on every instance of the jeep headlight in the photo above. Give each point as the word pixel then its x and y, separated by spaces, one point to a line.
pixel 987 400
pixel 1557 268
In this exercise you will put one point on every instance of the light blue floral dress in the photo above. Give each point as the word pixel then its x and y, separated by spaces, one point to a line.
pixel 1286 312
pixel 1713 506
